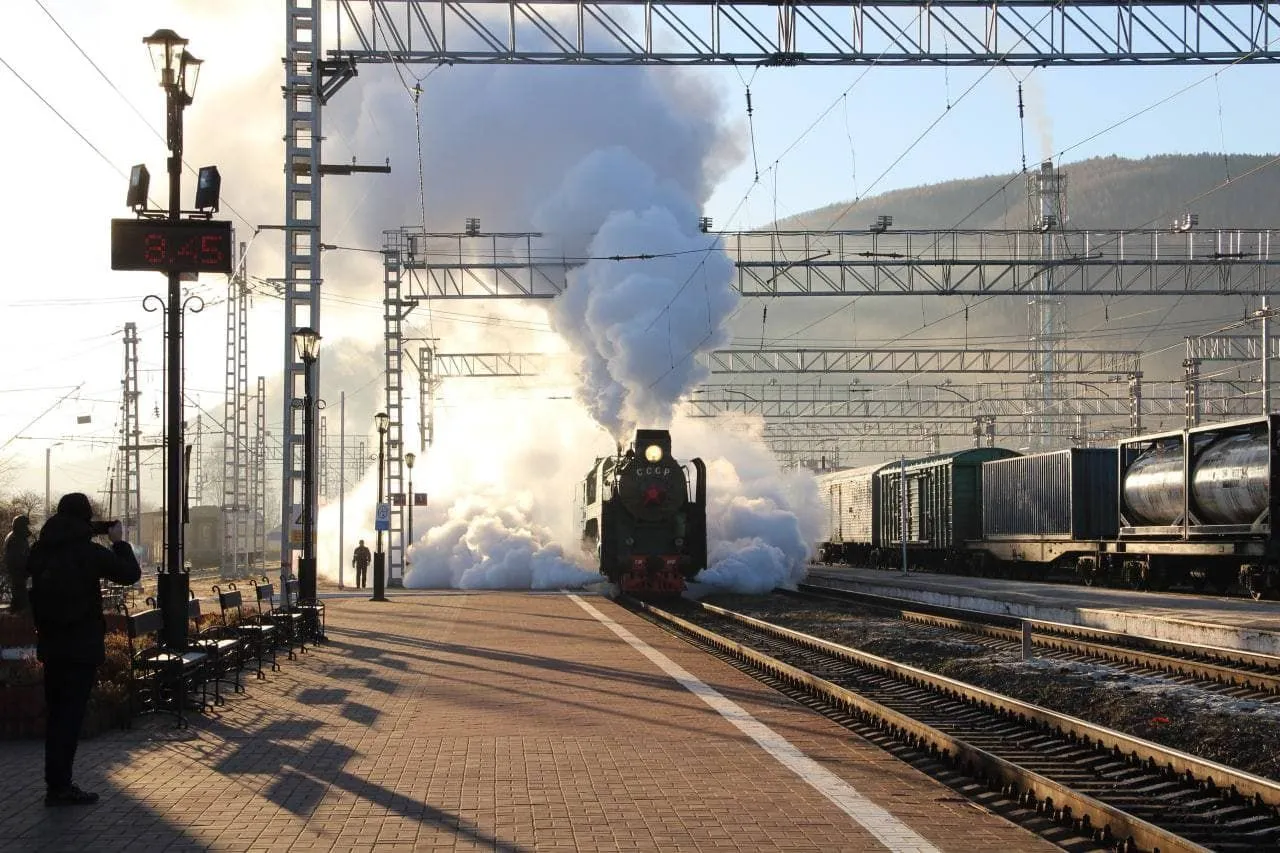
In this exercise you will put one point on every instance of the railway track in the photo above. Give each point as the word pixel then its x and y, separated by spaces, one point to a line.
pixel 1114 789
pixel 1241 674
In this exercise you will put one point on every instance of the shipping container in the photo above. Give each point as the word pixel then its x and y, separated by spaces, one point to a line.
pixel 1064 494
pixel 943 499
pixel 848 498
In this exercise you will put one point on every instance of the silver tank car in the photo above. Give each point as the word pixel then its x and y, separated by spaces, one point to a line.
pixel 1229 482
pixel 1153 485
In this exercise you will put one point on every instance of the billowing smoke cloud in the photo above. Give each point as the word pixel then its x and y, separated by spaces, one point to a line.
pixel 637 325
pixel 762 521
pixel 489 542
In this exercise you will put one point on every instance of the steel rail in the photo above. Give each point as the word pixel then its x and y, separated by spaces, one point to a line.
pixel 1113 646
pixel 1089 815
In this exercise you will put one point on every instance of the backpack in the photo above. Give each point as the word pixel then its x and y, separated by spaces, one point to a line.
pixel 62 593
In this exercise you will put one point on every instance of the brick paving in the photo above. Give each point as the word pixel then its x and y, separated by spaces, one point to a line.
pixel 487 721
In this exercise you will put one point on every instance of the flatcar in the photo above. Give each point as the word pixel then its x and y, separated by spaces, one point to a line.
pixel 644 517
pixel 1185 507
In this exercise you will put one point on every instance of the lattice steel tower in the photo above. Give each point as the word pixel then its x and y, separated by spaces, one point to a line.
pixel 1046 314
pixel 236 505
pixel 130 466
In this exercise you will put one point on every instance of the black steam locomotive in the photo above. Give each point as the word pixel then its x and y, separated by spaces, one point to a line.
pixel 1188 507
pixel 640 520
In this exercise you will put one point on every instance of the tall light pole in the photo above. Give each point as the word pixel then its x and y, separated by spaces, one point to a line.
pixel 408 463
pixel 48 453
pixel 382 422
pixel 306 345
pixel 179 71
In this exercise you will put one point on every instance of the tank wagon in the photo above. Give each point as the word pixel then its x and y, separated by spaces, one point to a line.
pixel 1190 506
pixel 1196 506
pixel 639 520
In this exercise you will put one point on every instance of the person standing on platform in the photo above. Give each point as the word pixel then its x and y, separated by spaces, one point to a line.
pixel 360 559
pixel 17 550
pixel 66 569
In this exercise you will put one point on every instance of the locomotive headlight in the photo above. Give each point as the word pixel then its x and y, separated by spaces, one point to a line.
pixel 653 453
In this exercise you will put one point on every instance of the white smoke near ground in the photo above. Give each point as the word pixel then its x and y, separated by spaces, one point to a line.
pixel 639 324
pixel 489 541
pixel 504 471
pixel 762 520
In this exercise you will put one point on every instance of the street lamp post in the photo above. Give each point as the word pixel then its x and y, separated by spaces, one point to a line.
pixel 382 421
pixel 306 343
pixel 48 453
pixel 408 463
pixel 179 71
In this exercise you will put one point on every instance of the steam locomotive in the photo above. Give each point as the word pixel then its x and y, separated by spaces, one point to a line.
pixel 1187 507
pixel 639 519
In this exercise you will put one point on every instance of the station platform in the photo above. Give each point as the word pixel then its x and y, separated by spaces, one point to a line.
pixel 496 721
pixel 1233 623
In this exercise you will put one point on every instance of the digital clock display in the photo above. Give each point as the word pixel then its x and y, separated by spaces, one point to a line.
pixel 158 245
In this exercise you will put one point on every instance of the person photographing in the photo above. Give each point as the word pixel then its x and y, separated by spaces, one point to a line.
pixel 66 568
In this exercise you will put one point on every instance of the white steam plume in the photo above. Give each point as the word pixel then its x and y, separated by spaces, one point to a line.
pixel 637 324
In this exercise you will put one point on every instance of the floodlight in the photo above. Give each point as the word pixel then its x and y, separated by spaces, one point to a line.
pixel 139 186
pixel 208 188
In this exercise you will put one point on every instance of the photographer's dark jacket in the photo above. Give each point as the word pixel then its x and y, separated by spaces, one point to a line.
pixel 65 568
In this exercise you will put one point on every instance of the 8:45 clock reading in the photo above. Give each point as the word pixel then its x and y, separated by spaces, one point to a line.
pixel 159 245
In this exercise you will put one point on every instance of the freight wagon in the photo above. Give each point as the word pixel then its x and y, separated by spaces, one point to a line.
pixel 942 495
pixel 1052 509
pixel 1196 506
pixel 852 510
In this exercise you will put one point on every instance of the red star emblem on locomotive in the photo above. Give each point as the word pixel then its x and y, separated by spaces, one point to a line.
pixel 653 495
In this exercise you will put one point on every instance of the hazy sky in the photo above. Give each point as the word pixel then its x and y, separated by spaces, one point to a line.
pixel 64 309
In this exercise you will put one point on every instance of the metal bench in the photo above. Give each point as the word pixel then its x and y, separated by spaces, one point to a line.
pixel 312 611
pixel 259 637
pixel 226 651
pixel 162 680
pixel 289 624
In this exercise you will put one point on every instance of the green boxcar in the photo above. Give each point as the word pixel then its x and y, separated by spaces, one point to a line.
pixel 943 502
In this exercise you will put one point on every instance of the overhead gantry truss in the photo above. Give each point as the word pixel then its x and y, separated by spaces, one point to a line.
pixel 880 360
pixel 827 361
pixel 821 32
pixel 966 403
pixel 823 430
pixel 1230 347
pixel 1146 262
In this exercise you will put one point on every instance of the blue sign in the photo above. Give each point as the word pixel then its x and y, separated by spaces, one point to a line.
pixel 382 517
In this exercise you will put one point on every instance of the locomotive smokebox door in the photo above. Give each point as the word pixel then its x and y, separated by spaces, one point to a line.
pixel 652 484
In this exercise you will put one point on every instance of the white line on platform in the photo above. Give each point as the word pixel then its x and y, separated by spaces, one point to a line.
pixel 891 832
